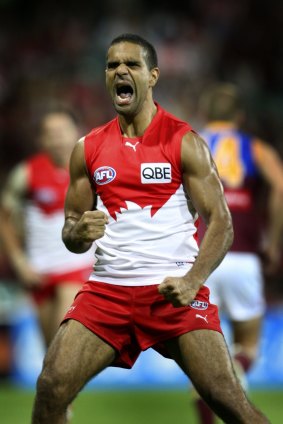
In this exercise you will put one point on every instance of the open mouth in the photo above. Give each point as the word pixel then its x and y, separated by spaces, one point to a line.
pixel 124 94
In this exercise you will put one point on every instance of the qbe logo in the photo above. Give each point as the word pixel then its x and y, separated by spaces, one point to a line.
pixel 104 175
pixel 152 173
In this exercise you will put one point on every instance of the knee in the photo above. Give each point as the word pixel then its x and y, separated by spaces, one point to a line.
pixel 223 390
pixel 53 387
pixel 244 356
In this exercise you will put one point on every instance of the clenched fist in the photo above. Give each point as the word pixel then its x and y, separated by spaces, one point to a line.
pixel 79 233
pixel 178 291
pixel 91 226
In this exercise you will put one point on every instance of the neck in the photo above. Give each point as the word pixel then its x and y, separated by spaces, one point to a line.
pixel 135 126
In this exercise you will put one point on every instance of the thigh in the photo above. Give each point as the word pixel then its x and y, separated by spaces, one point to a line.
pixel 51 310
pixel 76 355
pixel 204 357
pixel 247 334
pixel 64 296
pixel 243 289
pixel 45 313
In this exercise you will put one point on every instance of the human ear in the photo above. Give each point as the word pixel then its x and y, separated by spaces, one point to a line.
pixel 154 76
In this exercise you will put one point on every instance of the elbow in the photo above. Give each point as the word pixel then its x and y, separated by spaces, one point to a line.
pixel 73 244
pixel 68 245
pixel 67 240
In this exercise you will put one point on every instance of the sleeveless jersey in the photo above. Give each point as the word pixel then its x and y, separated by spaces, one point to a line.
pixel 151 233
pixel 233 154
pixel 44 219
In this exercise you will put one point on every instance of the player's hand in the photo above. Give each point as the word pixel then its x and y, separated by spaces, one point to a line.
pixel 178 291
pixel 91 226
pixel 29 278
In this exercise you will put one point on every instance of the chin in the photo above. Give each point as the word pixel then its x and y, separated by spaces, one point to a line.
pixel 124 110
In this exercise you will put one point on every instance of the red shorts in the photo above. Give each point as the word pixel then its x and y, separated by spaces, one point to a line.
pixel 134 318
pixel 47 289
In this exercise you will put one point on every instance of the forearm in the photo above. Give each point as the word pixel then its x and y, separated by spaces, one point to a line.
pixel 180 291
pixel 72 239
pixel 11 242
pixel 275 230
pixel 83 225
pixel 215 244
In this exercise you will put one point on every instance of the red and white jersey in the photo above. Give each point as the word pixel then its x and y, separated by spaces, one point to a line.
pixel 151 233
pixel 44 219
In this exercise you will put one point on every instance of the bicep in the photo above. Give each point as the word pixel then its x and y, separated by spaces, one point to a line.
pixel 201 179
pixel 80 195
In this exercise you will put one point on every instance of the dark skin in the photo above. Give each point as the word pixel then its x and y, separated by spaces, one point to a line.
pixel 83 226
pixel 68 366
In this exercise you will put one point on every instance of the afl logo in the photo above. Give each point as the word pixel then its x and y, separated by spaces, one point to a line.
pixel 104 175
pixel 199 305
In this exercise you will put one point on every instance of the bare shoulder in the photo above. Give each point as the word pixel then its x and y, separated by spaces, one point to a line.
pixel 77 162
pixel 195 154
pixel 269 163
pixel 17 180
pixel 78 151
pixel 261 148
pixel 16 187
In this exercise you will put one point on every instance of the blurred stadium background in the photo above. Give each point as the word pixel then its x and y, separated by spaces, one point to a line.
pixel 55 51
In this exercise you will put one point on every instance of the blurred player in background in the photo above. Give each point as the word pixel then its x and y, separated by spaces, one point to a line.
pixel 236 286
pixel 32 215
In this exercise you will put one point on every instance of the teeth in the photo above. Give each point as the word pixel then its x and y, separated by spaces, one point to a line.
pixel 124 95
pixel 124 98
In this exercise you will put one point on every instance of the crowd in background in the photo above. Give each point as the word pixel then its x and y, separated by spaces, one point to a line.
pixel 55 51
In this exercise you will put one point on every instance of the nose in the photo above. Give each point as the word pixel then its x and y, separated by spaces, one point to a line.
pixel 122 69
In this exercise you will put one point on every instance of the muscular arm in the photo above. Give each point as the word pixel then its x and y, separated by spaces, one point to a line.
pixel 204 188
pixel 202 184
pixel 11 205
pixel 271 168
pixel 274 237
pixel 11 225
pixel 269 164
pixel 82 225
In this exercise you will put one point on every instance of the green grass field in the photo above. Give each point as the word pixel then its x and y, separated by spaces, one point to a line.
pixel 128 406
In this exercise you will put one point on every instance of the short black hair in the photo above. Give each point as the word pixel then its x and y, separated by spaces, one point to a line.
pixel 150 52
